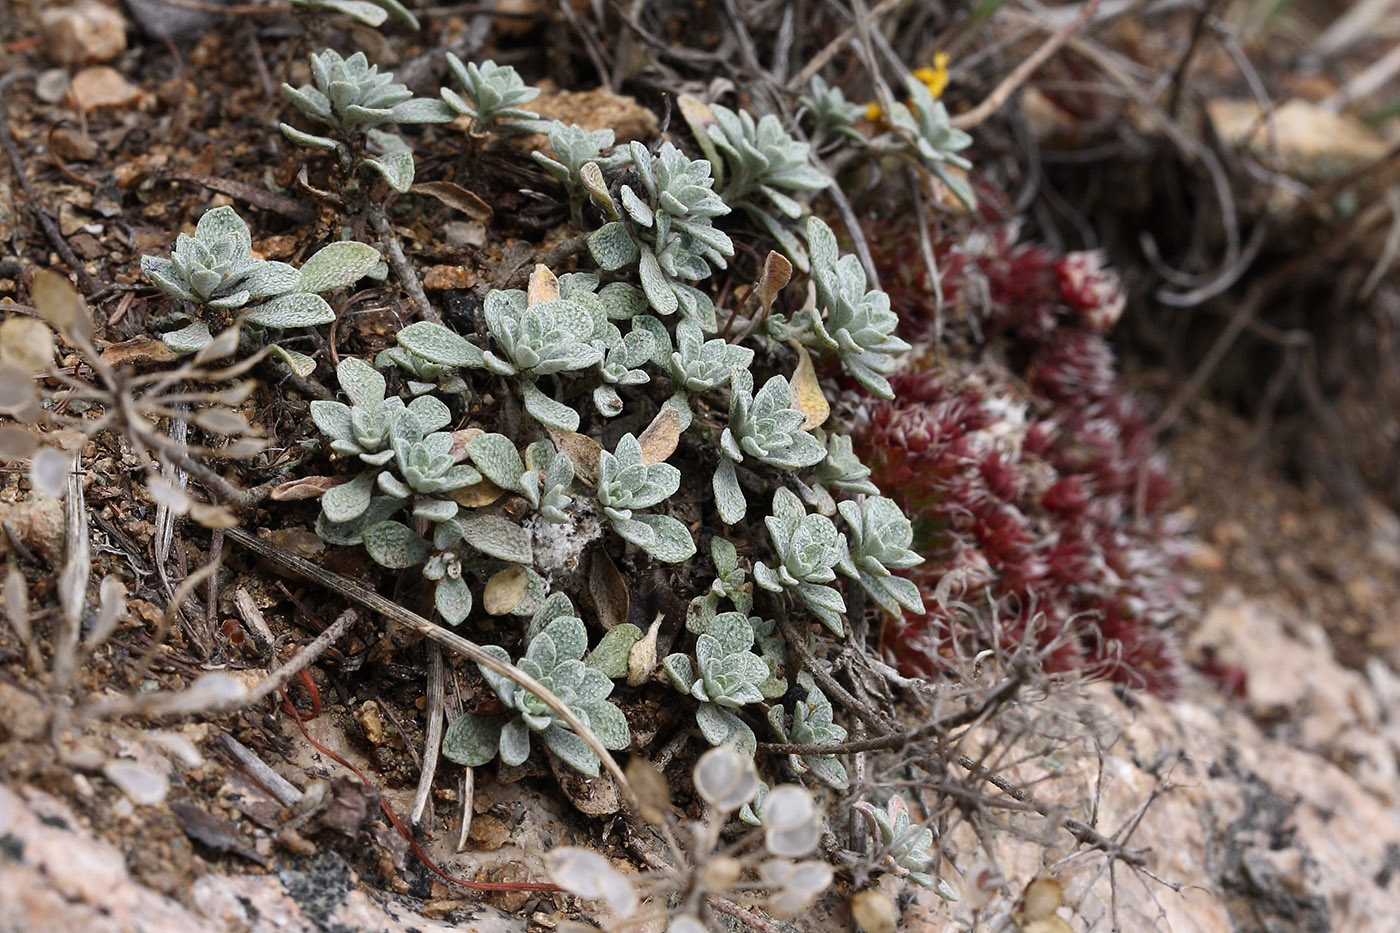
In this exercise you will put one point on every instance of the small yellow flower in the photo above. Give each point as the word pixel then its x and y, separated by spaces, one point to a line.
pixel 935 79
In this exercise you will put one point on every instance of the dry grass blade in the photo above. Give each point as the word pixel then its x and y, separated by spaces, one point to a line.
pixel 72 580
pixel 286 560
pixel 432 740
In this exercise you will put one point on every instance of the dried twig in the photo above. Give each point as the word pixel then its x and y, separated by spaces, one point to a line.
pixel 403 269
pixel 303 659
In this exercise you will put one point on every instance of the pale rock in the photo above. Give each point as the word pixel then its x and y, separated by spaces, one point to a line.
pixel 85 33
pixel 102 87
pixel 51 85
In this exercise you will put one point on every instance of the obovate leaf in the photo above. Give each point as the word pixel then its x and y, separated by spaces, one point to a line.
pixel 394 545
pixel 298 309
pixel 188 339
pixel 472 740
pixel 338 265
pixel 497 537
pixel 396 167
pixel 437 344
pixel 299 363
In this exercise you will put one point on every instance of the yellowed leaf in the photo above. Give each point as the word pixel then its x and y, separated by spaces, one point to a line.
pixel 138 350
pixel 505 590
pixel 543 287
pixel 591 176
pixel 660 438
pixel 1041 898
pixel 807 394
pixel 477 495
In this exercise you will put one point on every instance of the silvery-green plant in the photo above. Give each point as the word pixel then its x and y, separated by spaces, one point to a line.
pixel 573 147
pixel 907 848
pixel 546 481
pixel 215 270
pixel 498 460
pixel 625 484
pixel 424 469
pixel 879 538
pixel 370 12
pixel 554 657
pixel 354 99
pixel 813 723
pixel 831 114
pixel 421 374
pixel 766 427
pixel 731 580
pixel 669 234
pixel 622 366
pixel 808 550
pixel 492 95
pixel 761 165
pixel 929 137
pixel 841 470
pixel 724 675
pixel 699 365
pixel 362 428
pixel 439 346
pixel 538 339
pixel 859 325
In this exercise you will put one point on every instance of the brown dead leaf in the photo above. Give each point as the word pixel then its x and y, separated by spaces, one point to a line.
pixel 807 394
pixel 455 197
pixel 612 597
pixel 777 272
pixel 308 487
pixel 582 450
pixel 660 438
